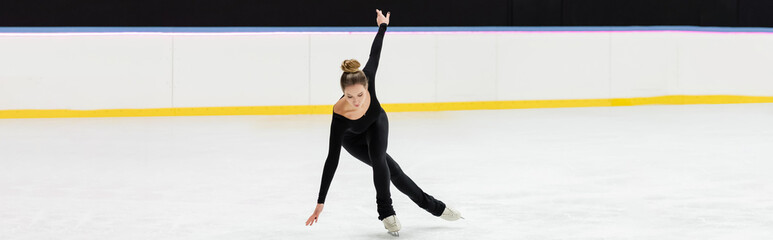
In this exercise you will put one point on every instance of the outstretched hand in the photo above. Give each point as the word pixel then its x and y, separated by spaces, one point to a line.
pixel 315 215
pixel 380 18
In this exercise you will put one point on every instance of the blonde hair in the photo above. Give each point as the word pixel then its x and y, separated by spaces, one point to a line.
pixel 352 74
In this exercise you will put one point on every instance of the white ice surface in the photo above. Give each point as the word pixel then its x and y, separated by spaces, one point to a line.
pixel 647 172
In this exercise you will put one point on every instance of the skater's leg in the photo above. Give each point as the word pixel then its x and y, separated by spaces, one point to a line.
pixel 357 147
pixel 409 188
pixel 376 137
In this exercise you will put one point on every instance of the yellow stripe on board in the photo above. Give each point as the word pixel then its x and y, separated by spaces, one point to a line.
pixel 395 107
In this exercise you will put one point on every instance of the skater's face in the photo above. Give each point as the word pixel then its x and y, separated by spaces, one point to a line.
pixel 355 94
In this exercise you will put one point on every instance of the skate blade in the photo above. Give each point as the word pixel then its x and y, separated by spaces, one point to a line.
pixel 394 234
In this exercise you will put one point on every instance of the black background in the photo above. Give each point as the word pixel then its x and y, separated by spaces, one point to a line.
pixel 739 13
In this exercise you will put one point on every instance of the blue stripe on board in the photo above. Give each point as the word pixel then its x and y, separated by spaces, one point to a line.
pixel 362 29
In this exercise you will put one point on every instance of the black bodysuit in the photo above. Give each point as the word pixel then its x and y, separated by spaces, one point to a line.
pixel 366 139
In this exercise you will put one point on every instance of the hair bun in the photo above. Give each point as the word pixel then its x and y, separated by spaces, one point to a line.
pixel 350 66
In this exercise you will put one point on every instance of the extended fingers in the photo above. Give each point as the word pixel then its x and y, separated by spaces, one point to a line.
pixel 381 13
pixel 310 221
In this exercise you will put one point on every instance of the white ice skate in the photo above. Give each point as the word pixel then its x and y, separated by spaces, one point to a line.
pixel 451 214
pixel 392 225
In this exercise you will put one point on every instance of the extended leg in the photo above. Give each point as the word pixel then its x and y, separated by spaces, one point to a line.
pixel 409 188
pixel 357 147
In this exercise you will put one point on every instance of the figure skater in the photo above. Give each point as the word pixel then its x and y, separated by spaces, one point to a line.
pixel 360 125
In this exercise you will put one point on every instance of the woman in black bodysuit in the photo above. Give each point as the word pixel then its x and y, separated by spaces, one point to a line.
pixel 360 125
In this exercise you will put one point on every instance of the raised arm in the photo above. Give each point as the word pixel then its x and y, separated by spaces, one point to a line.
pixel 375 49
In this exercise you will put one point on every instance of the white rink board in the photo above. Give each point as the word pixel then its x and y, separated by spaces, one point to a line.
pixel 553 66
pixel 154 71
pixel 644 65
pixel 85 72
pixel 726 64
pixel 466 68
pixel 262 70
pixel 408 73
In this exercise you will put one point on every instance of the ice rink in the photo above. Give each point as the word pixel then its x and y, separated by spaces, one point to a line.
pixel 645 172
